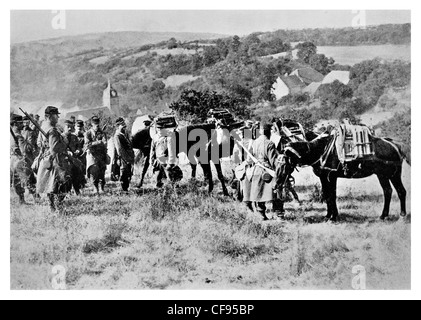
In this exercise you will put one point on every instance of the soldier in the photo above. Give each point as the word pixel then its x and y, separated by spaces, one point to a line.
pixel 20 169
pixel 163 155
pixel 80 134
pixel 124 153
pixel 245 184
pixel 262 184
pixel 74 146
pixel 30 137
pixel 96 154
pixel 54 172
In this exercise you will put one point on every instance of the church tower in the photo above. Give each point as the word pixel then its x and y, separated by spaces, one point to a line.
pixel 111 100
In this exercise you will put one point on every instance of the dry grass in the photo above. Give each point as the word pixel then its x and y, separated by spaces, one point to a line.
pixel 185 239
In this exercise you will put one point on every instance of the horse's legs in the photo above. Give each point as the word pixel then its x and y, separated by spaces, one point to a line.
pixel 387 191
pixel 144 170
pixel 221 178
pixel 326 194
pixel 193 170
pixel 208 175
pixel 400 189
pixel 329 182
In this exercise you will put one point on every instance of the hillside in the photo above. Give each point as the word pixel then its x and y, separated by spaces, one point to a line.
pixel 151 70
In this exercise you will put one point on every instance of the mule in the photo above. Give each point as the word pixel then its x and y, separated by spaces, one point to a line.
pixel 201 143
pixel 321 154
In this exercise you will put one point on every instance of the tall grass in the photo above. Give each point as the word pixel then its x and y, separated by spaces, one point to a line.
pixel 182 238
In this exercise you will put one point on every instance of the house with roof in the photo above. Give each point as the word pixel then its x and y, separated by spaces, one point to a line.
pixel 312 88
pixel 286 85
pixel 341 76
pixel 308 75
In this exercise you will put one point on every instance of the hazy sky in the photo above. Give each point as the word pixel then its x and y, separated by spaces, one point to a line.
pixel 34 25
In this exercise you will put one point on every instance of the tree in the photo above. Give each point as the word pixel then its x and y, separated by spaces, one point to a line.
pixel 235 43
pixel 321 63
pixel 306 50
pixel 172 43
pixel 193 106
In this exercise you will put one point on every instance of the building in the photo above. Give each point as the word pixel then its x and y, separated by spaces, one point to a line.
pixel 287 85
pixel 110 102
pixel 341 76
pixel 308 75
pixel 312 88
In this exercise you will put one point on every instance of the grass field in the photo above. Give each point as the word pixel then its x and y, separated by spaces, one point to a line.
pixel 356 54
pixel 186 239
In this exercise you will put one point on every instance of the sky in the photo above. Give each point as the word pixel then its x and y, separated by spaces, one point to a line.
pixel 35 25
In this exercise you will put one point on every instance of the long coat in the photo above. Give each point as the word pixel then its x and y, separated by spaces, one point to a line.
pixel 265 151
pixel 245 184
pixel 96 149
pixel 54 172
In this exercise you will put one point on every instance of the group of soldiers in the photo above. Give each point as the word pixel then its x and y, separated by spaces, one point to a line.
pixel 46 159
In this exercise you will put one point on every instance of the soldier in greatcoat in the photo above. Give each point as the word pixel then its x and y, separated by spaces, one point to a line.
pixel 97 158
pixel 54 171
pixel 76 149
pixel 124 153
pixel 262 188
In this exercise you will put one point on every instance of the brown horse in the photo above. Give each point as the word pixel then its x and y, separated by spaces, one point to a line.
pixel 321 154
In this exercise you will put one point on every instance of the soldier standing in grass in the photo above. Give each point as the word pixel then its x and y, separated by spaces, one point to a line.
pixel 76 149
pixel 54 172
pixel 124 153
pixel 163 155
pixel 243 192
pixel 262 185
pixel 80 134
pixel 96 154
pixel 21 174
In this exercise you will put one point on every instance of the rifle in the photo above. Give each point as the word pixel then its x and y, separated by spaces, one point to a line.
pixel 257 163
pixel 43 132
pixel 34 122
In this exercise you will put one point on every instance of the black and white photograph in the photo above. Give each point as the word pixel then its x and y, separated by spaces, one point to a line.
pixel 210 150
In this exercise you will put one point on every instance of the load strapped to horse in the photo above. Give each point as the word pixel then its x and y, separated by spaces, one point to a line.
pixel 352 144
pixel 286 131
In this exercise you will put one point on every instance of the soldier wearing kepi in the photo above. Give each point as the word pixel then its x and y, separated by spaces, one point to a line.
pixel 75 148
pixel 54 172
pixel 20 169
pixel 124 153
pixel 262 184
pixel 164 150
pixel 96 154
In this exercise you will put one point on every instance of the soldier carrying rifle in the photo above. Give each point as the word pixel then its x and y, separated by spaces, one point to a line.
pixel 54 168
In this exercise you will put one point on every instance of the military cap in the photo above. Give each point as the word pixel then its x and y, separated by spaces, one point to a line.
pixel 51 110
pixel 25 118
pixel 120 121
pixel 95 119
pixel 37 116
pixel 80 123
pixel 69 122
pixel 14 118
